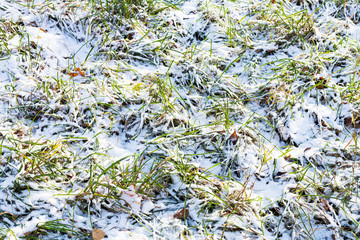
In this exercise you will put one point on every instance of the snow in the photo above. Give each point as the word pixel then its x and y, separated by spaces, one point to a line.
pixel 76 149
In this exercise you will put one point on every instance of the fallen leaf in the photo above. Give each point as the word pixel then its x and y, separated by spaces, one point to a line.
pixel 337 132
pixel 234 137
pixel 288 157
pixel 325 204
pixel 131 35
pixel 81 72
pixel 321 82
pixel 73 74
pixel 307 149
pixel 97 234
pixel 182 213
pixel 349 122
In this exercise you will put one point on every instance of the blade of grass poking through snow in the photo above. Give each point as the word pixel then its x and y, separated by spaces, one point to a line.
pixel 179 119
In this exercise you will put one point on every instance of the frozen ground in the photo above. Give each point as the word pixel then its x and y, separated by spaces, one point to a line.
pixel 179 120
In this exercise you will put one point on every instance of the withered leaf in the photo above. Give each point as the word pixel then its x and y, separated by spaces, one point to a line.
pixel 81 72
pixel 349 122
pixel 73 74
pixel 182 213
pixel 234 137
pixel 98 234
pixel 325 204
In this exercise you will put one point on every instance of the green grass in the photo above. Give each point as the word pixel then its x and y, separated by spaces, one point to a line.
pixel 193 114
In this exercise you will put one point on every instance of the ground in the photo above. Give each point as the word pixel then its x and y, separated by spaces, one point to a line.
pixel 204 119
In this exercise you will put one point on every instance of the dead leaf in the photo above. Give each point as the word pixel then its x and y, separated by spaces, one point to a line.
pixel 81 72
pixel 98 234
pixel 325 204
pixel 321 82
pixel 19 133
pixel 234 137
pixel 131 35
pixel 349 122
pixel 73 74
pixel 182 213
pixel 287 158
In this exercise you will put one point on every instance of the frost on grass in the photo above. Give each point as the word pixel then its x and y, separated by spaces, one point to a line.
pixel 189 119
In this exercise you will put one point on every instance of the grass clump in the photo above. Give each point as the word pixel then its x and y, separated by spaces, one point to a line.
pixel 179 119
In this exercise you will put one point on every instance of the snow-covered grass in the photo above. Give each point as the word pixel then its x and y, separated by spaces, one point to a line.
pixel 204 119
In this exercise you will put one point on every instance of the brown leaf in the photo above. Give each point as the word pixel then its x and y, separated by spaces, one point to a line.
pixel 325 204
pixel 97 234
pixel 321 82
pixel 234 137
pixel 131 36
pixel 81 72
pixel 182 213
pixel 73 74
pixel 349 122
pixel 288 157
pixel 19 133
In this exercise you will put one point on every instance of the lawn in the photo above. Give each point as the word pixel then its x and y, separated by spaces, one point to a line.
pixel 179 119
